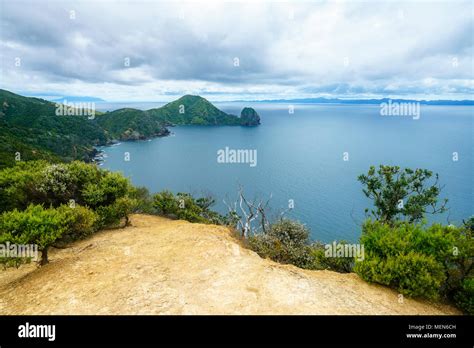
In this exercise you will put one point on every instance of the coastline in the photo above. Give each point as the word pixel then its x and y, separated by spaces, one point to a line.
pixel 99 154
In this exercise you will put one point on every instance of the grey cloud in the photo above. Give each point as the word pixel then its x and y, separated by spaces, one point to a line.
pixel 92 47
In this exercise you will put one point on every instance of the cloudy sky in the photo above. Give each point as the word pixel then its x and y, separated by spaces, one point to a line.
pixel 156 51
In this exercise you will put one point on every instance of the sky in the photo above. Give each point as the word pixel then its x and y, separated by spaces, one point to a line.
pixel 239 50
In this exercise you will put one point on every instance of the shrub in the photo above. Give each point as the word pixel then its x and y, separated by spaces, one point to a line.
pixel 321 261
pixel 17 184
pixel 460 268
pixel 109 188
pixel 412 274
pixel 99 196
pixel 289 233
pixel 35 225
pixel 37 182
pixel 464 296
pixel 416 260
pixel 144 201
pixel 286 241
pixel 184 206
pixel 84 173
pixel 55 186
pixel 82 199
pixel 79 221
pixel 111 215
pixel 165 203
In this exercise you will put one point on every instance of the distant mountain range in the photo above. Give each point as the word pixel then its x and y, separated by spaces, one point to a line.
pixel 319 100
pixel 32 128
pixel 361 101
pixel 77 99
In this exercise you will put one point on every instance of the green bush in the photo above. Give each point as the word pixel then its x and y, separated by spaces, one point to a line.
pixel 165 203
pixel 17 184
pixel 58 184
pixel 185 207
pixel 48 227
pixel 55 186
pixel 144 201
pixel 321 261
pixel 460 269
pixel 80 222
pixel 111 215
pixel 412 274
pixel 289 233
pixel 464 296
pixel 35 225
pixel 286 241
pixel 109 188
pixel 82 198
pixel 38 182
pixel 415 259
pixel 84 173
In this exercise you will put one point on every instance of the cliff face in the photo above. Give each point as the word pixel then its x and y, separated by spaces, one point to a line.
pixel 249 117
pixel 161 266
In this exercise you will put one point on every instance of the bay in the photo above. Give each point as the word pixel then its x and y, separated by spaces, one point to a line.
pixel 300 157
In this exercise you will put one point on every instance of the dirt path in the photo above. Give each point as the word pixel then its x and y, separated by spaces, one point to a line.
pixel 160 266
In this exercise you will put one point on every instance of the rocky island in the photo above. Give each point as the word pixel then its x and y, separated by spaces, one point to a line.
pixel 249 117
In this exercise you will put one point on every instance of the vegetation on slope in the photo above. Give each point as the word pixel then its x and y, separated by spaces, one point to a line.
pixel 131 124
pixel 46 204
pixel 30 128
pixel 400 249
pixel 14 146
pixel 196 110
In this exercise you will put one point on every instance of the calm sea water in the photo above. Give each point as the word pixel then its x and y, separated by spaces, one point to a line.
pixel 300 158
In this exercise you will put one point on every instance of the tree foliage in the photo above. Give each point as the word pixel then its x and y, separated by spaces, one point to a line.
pixel 417 260
pixel 35 225
pixel 44 203
pixel 401 193
pixel 184 206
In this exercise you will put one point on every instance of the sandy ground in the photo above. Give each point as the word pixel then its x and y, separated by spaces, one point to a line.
pixel 160 266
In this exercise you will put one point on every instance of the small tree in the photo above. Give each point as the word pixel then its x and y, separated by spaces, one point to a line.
pixel 184 206
pixel 55 186
pixel 104 192
pixel 35 225
pixel 401 192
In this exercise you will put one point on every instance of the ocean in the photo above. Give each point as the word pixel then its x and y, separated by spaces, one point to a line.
pixel 308 156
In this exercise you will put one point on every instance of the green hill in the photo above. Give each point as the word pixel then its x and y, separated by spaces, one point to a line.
pixel 12 141
pixel 30 126
pixel 131 124
pixel 191 109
